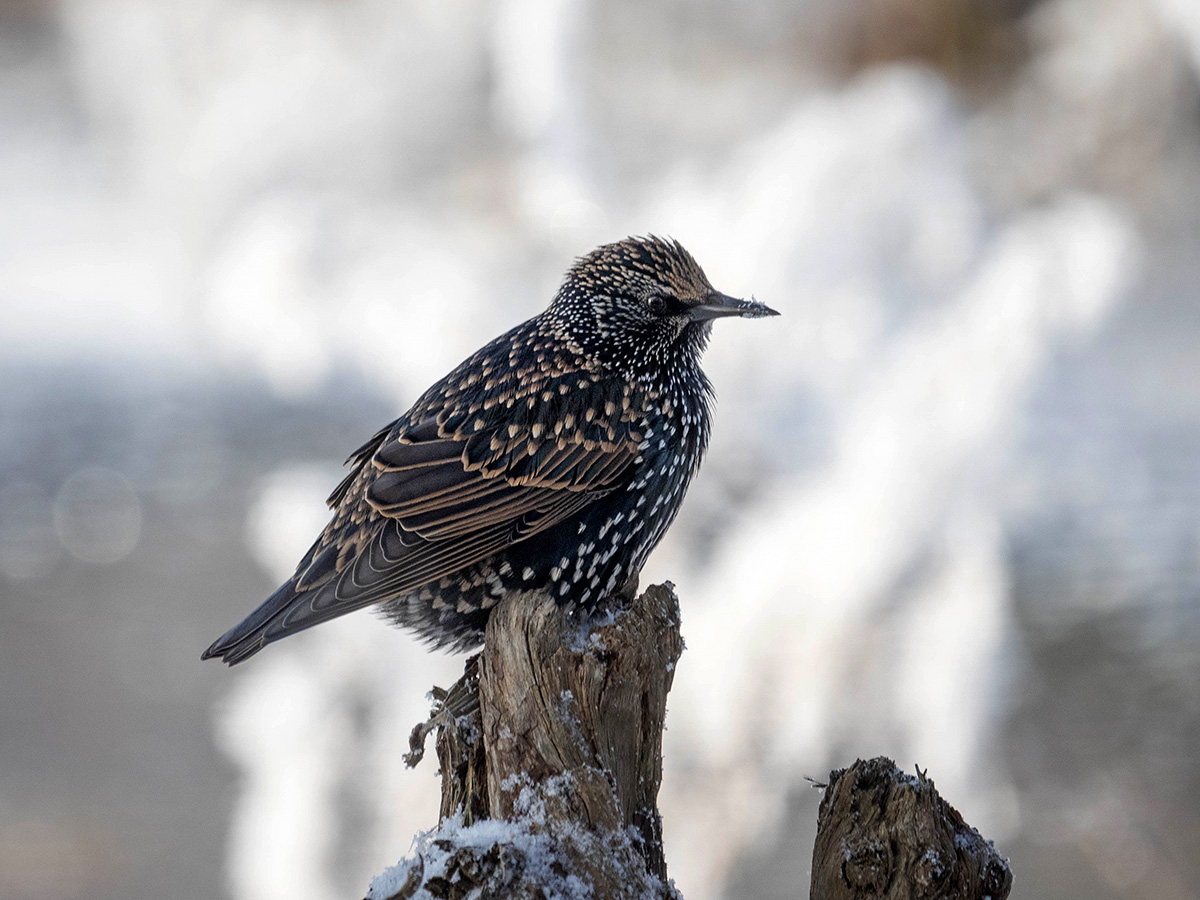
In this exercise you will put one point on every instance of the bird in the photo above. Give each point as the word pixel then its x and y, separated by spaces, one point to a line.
pixel 554 458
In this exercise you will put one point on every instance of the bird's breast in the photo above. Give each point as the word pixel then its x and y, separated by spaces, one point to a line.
pixel 668 457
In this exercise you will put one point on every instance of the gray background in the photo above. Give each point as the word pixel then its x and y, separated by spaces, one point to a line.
pixel 951 512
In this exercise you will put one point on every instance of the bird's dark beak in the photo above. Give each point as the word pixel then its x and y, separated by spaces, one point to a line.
pixel 718 305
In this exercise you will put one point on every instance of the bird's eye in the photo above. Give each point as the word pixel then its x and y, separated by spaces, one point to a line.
pixel 656 303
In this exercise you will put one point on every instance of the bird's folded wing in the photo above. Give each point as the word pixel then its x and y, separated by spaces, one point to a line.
pixel 436 492
pixel 444 504
pixel 443 488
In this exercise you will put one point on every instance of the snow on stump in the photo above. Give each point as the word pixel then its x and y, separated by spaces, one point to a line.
pixel 551 759
pixel 885 835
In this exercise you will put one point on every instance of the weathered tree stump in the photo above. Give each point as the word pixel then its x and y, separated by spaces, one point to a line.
pixel 551 770
pixel 551 759
pixel 887 835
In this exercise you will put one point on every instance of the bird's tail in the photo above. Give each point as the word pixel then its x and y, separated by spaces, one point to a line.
pixel 247 637
pixel 318 592
pixel 300 603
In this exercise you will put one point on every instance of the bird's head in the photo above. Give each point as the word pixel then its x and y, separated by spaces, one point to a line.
pixel 642 301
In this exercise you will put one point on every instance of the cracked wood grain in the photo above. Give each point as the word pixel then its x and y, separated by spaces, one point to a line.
pixel 886 835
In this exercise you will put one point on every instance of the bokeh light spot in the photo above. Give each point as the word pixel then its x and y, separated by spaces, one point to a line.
pixel 97 516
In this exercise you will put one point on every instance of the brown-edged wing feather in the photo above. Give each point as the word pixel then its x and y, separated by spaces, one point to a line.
pixel 439 513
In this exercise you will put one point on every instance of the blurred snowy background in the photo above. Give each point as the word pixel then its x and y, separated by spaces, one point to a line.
pixel 951 512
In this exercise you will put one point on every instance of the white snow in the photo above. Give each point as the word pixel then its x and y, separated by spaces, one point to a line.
pixel 540 848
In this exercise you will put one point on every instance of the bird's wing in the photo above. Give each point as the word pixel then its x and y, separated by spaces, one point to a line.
pixel 430 497
pixel 356 461
pixel 445 502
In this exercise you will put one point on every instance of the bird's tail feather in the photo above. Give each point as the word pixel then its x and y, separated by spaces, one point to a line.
pixel 249 636
pixel 290 609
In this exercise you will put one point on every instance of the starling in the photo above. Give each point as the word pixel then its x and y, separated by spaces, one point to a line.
pixel 553 458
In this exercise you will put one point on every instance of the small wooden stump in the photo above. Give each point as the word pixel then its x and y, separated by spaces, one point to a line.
pixel 563 745
pixel 883 834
